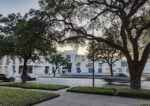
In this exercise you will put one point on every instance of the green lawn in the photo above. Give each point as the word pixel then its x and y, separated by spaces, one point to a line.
pixel 145 105
pixel 135 93
pixel 33 85
pixel 13 97
pixel 95 90
pixel 123 91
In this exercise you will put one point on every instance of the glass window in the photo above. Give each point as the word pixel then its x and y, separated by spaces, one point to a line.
pixel 14 69
pixel 127 70
pixel 77 58
pixel 100 64
pixel 7 61
pixel 83 58
pixel 78 70
pixel 89 65
pixel 90 70
pixel 68 58
pixel 78 64
pixel 124 64
pixel 46 70
pixel 100 70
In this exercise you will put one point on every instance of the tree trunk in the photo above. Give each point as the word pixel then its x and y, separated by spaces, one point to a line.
pixel 24 74
pixel 111 69
pixel 135 81
pixel 136 70
pixel 54 73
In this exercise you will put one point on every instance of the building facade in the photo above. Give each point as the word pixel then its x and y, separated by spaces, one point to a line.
pixel 76 64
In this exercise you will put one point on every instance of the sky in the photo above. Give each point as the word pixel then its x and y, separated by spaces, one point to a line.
pixel 15 6
pixel 23 6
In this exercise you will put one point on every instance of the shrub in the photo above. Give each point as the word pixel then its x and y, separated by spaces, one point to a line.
pixel 136 93
pixel 94 90
pixel 34 85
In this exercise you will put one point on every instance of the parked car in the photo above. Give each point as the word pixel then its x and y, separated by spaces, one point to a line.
pixel 6 77
pixel 119 77
pixel 147 78
pixel 30 77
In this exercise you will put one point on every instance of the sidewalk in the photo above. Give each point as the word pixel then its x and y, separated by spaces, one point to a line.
pixel 81 99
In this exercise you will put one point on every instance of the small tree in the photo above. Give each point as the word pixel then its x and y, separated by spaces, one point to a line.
pixel 105 54
pixel 29 36
pixel 57 60
pixel 6 46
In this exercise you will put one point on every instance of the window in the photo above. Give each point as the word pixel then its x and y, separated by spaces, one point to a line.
pixel 90 70
pixel 124 64
pixel 78 70
pixel 7 61
pixel 127 70
pixel 78 64
pixel 68 58
pixel 29 69
pixel 83 58
pixel 107 70
pixel 1 62
pixel 14 69
pixel 69 66
pixel 100 70
pixel 100 64
pixel 46 70
pixel 14 62
pixel 77 58
pixel 89 65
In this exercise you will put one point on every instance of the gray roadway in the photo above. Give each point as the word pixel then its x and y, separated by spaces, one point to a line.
pixel 72 82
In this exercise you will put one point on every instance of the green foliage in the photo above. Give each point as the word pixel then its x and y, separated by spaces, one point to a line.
pixel 15 97
pixel 136 93
pixel 29 35
pixel 33 85
pixel 6 46
pixel 104 52
pixel 145 105
pixel 94 90
pixel 58 59
pixel 29 38
pixel 123 91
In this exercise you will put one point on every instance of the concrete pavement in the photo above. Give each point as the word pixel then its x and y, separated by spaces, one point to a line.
pixel 81 99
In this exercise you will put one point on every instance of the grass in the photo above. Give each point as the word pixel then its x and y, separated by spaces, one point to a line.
pixel 123 91
pixel 33 85
pixel 145 105
pixel 135 93
pixel 13 97
pixel 95 90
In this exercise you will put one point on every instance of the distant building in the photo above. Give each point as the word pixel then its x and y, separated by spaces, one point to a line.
pixel 76 64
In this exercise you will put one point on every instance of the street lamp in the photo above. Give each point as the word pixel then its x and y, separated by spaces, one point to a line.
pixel 93 60
pixel 93 72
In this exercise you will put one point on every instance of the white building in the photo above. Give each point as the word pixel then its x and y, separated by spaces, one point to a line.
pixel 76 64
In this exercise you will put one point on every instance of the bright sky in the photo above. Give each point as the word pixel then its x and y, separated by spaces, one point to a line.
pixel 23 6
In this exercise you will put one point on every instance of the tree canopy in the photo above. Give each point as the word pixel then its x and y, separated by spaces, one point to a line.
pixel 128 19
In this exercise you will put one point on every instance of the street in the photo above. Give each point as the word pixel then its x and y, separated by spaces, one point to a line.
pixel 72 82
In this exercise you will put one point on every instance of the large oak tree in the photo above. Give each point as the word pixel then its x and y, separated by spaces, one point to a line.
pixel 129 19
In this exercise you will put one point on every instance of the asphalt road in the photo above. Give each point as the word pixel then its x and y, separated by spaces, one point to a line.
pixel 72 82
